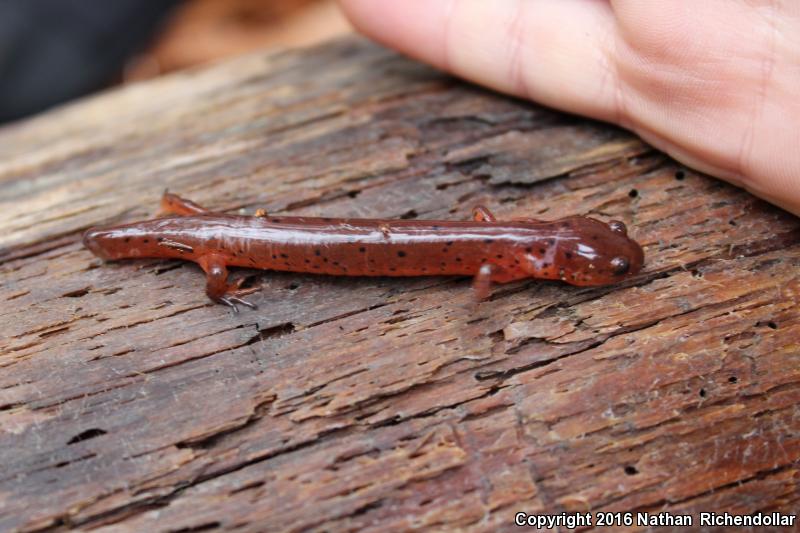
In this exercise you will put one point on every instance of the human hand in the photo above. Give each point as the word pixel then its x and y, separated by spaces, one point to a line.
pixel 715 84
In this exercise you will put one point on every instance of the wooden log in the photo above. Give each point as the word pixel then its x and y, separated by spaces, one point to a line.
pixel 129 402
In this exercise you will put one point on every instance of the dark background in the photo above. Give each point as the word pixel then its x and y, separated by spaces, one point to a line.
pixel 52 51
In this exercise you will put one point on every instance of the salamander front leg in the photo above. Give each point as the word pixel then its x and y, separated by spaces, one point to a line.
pixel 482 282
pixel 481 213
pixel 217 287
pixel 490 273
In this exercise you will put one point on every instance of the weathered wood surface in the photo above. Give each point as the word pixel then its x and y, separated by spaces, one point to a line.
pixel 128 402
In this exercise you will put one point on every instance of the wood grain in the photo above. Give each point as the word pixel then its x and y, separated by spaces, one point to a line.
pixel 129 403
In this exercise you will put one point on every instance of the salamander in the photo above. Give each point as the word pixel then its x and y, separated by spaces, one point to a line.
pixel 578 250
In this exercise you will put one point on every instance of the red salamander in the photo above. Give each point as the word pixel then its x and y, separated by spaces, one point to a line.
pixel 577 250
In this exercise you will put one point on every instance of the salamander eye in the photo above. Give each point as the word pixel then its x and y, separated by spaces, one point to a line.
pixel 618 227
pixel 620 265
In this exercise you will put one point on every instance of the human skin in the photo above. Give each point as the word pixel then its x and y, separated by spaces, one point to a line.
pixel 715 84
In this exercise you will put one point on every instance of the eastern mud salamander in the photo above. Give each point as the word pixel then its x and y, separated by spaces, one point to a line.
pixel 577 250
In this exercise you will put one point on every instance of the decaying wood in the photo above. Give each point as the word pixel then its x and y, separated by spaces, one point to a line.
pixel 129 402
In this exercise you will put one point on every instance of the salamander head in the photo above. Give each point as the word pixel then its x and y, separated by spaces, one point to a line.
pixel 584 251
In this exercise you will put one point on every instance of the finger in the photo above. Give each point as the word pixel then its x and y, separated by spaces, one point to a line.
pixel 709 83
pixel 556 52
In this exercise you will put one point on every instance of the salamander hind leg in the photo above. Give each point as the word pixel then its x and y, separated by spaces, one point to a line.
pixel 217 287
pixel 481 213
pixel 172 204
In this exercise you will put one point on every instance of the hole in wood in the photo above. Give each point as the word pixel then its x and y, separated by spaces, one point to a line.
pixel 77 293
pixel 86 435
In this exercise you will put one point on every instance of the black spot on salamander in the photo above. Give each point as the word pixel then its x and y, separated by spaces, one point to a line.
pixel 316 266
pixel 542 251
pixel 285 256
pixel 127 239
pixel 157 240
pixel 317 252
pixel 392 269
pixel 401 253
pixel 276 220
pixel 274 256
pixel 362 249
pixel 146 241
pixel 336 263
pixel 499 256
pixel 449 243
pixel 545 265
pixel 569 255
pixel 458 260
pixel 528 249
pixel 488 241
pixel 307 261
pixel 325 259
pixel 436 228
